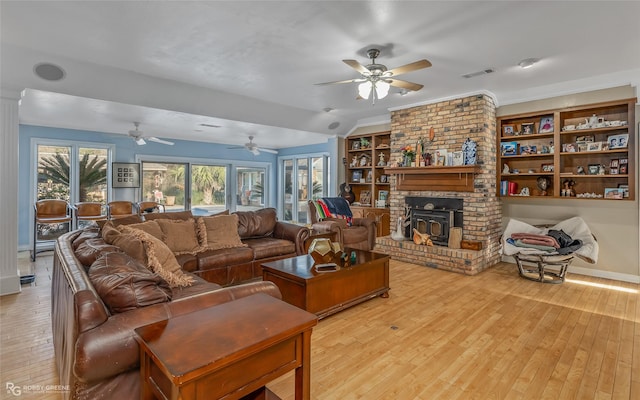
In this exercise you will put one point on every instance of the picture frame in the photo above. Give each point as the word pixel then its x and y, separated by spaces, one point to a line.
pixel 528 149
pixel 546 125
pixel 620 141
pixel 613 193
pixel 613 171
pixel 508 130
pixel 594 146
pixel 546 168
pixel 625 190
pixel 585 138
pixel 593 169
pixel 624 165
pixel 508 148
pixel 569 147
pixel 441 157
pixel 365 197
pixel 356 175
pixel 125 175
pixel 383 195
pixel 582 146
pixel 458 158
pixel 527 128
pixel 614 163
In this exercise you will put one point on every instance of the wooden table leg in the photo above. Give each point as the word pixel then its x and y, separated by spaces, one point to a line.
pixel 303 372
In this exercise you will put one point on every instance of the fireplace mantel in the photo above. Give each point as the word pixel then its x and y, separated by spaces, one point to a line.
pixel 436 178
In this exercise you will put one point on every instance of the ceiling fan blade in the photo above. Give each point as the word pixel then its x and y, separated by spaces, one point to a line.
pixel 409 67
pixel 155 139
pixel 345 81
pixel 140 141
pixel 236 147
pixel 404 84
pixel 268 150
pixel 357 66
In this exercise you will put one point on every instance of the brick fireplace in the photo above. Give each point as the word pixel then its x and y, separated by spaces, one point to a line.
pixel 453 122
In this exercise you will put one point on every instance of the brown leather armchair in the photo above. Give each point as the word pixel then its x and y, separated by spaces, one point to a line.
pixel 360 235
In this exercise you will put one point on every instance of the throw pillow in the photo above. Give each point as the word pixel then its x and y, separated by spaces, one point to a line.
pixel 126 242
pixel 151 227
pixel 220 232
pixel 180 236
pixel 202 229
pixel 181 215
pixel 161 260
pixel 124 284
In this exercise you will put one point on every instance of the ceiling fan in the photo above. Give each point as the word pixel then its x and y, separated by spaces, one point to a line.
pixel 376 78
pixel 252 147
pixel 137 135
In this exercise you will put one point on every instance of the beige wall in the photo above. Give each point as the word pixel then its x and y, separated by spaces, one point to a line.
pixel 615 224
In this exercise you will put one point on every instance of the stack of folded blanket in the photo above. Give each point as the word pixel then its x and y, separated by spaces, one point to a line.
pixel 554 241
pixel 571 236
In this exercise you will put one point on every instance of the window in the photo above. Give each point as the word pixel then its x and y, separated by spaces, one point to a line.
pixel 204 186
pixel 72 172
pixel 309 176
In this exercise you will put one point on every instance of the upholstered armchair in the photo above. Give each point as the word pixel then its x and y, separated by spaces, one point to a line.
pixel 360 235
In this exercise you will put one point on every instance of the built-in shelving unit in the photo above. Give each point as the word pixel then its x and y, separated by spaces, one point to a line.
pixel 584 152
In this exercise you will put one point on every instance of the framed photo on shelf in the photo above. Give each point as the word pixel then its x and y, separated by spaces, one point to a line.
pixel 594 146
pixel 365 197
pixel 528 149
pixel 569 147
pixel 356 175
pixel 546 125
pixel 125 175
pixel 528 128
pixel 614 193
pixel 593 169
pixel 613 171
pixel 618 141
pixel 585 138
pixel 508 148
pixel 458 158
pixel 624 165
pixel 508 130
pixel 614 163
pixel 383 195
pixel 546 167
pixel 625 190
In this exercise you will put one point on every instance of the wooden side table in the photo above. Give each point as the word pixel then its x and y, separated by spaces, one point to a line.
pixel 229 351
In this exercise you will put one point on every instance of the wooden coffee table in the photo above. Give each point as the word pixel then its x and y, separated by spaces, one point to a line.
pixel 326 293
pixel 228 351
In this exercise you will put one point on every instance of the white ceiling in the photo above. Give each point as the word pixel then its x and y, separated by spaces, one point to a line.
pixel 250 67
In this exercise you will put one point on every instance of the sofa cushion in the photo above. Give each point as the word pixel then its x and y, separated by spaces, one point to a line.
pixel 124 284
pixel 257 223
pixel 180 236
pixel 151 227
pixel 160 258
pixel 219 232
pixel 270 247
pixel 223 257
pixel 179 215
pixel 127 243
pixel 188 262
pixel 91 249
pixel 89 232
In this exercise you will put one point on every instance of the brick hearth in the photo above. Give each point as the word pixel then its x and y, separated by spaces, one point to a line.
pixel 453 121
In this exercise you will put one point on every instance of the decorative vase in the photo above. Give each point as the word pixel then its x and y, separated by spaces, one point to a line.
pixel 469 148
pixel 398 234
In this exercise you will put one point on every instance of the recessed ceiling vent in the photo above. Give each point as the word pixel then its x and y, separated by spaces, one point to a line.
pixel 483 72
pixel 49 72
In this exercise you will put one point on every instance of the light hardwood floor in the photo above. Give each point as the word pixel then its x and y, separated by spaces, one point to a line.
pixel 439 335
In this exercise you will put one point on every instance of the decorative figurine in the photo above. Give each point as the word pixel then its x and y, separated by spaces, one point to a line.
pixel 505 169
pixel 543 184
pixel 581 170
pixel 381 162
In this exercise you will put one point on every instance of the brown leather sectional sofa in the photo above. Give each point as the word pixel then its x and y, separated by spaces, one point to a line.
pixel 94 315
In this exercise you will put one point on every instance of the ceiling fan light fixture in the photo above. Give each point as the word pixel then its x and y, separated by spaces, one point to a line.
pixel 364 89
pixel 382 89
pixel 140 141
